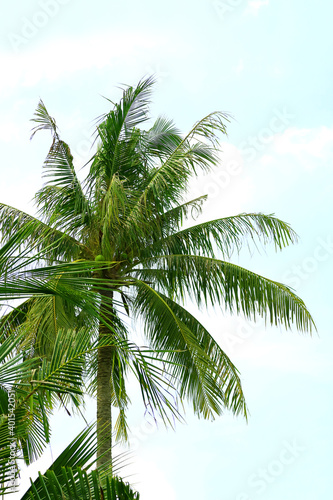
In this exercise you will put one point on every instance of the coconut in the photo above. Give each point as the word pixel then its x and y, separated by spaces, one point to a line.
pixel 99 258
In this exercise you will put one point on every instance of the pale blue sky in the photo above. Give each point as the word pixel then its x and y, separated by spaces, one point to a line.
pixel 268 63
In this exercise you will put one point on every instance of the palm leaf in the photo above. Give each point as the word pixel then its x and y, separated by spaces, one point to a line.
pixel 227 234
pixel 237 289
pixel 194 373
pixel 73 480
pixel 162 139
pixel 37 234
pixel 117 135
pixel 63 196
pixel 43 120
pixel 186 158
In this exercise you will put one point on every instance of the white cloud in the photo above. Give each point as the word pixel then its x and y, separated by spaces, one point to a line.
pixel 291 151
pixel 316 143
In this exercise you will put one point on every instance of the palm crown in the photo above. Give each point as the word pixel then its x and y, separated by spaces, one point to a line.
pixel 128 215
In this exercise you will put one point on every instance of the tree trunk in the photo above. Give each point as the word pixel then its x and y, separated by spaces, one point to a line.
pixel 104 420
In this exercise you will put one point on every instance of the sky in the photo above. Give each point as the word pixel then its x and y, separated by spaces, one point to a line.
pixel 268 64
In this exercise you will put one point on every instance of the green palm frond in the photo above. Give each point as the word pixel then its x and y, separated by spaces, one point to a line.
pixel 64 196
pixel 116 132
pixel 228 382
pixel 132 109
pixel 124 160
pixel 64 372
pixel 42 319
pixel 43 120
pixel 209 280
pixel 161 139
pixel 119 396
pixel 113 209
pixel 73 282
pixel 30 411
pixel 173 219
pixel 12 366
pixel 160 226
pixel 17 424
pixel 227 234
pixel 187 157
pixel 13 317
pixel 157 386
pixel 37 235
pixel 73 481
pixel 166 183
pixel 192 352
pixel 38 384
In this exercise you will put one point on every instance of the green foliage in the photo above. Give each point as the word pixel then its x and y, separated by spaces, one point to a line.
pixel 36 377
pixel 128 216
pixel 74 481
pixel 121 249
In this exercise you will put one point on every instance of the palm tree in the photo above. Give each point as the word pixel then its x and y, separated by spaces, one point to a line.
pixel 128 217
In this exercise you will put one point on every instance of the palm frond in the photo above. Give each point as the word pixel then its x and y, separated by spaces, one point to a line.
pixel 73 479
pixel 187 157
pixel 37 235
pixel 166 183
pixel 43 120
pixel 12 366
pixel 38 385
pixel 117 135
pixel 119 396
pixel 209 280
pixel 161 139
pixel 132 110
pixel 62 200
pixel 228 380
pixel 150 369
pixel 75 483
pixel 194 372
pixel 227 235
pixel 157 386
pixel 171 221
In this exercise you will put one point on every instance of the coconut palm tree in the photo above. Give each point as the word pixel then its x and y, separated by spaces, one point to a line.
pixel 128 217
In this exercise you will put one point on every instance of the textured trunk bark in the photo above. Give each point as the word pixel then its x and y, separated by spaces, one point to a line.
pixel 104 418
